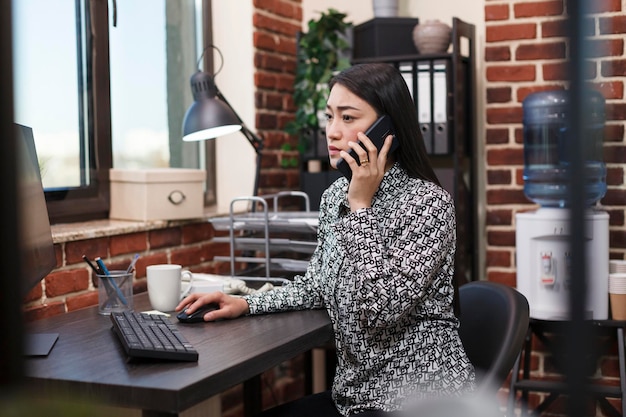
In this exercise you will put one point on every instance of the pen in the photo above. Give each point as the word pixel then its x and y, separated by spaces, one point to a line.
pixel 132 264
pixel 102 266
pixel 105 271
pixel 97 270
pixel 91 265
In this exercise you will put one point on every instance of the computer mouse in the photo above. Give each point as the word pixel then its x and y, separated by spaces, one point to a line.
pixel 196 316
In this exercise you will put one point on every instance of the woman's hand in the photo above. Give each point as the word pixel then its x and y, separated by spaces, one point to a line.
pixel 229 307
pixel 367 177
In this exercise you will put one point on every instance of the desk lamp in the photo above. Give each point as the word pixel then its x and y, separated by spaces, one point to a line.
pixel 210 115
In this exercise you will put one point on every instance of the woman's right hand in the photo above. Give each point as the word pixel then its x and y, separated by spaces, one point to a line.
pixel 367 177
pixel 229 307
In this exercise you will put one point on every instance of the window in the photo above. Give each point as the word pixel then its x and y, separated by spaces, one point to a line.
pixel 105 85
pixel 46 80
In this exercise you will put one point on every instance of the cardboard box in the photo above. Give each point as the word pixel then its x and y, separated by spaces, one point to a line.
pixel 157 194
pixel 383 37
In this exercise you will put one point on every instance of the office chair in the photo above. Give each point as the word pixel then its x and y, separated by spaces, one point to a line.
pixel 493 323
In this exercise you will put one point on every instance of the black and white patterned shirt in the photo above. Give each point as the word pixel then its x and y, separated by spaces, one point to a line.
pixel 384 274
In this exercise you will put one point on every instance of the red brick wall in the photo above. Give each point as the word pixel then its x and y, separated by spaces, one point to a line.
pixel 276 24
pixel 69 287
pixel 526 51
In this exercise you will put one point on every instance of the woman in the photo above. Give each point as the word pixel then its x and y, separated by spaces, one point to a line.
pixel 384 264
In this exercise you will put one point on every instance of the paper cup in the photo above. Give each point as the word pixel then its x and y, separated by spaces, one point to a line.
pixel 617 283
pixel 618 306
pixel 617 266
pixel 617 295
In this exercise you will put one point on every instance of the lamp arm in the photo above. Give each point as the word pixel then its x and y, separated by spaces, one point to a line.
pixel 255 141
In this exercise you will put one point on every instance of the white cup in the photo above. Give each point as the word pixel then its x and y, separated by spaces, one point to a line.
pixel 164 285
pixel 617 266
pixel 617 283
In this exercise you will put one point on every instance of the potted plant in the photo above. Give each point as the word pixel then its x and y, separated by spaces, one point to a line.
pixel 322 50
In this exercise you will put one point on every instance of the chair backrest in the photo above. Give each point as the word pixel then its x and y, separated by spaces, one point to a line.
pixel 494 321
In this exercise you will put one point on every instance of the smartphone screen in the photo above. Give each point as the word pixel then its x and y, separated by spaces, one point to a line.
pixel 377 133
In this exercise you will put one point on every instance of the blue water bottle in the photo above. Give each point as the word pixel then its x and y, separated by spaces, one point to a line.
pixel 546 144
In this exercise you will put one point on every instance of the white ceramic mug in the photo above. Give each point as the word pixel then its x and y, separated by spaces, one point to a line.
pixel 164 285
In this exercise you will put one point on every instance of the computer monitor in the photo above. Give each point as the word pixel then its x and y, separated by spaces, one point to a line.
pixel 37 255
pixel 35 236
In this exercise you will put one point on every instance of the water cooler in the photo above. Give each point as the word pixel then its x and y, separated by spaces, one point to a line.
pixel 543 235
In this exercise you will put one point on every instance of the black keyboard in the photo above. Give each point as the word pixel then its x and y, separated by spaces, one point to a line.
pixel 151 336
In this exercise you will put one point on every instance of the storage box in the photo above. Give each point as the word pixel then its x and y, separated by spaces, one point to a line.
pixel 157 194
pixel 384 36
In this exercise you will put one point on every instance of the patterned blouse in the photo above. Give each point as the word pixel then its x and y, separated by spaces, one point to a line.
pixel 384 274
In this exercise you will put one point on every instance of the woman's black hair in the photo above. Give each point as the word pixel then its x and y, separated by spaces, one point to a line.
pixel 383 87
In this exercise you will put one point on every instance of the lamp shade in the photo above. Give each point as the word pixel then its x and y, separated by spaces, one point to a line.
pixel 208 117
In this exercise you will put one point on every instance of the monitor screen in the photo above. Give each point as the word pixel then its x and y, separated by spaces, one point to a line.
pixel 35 237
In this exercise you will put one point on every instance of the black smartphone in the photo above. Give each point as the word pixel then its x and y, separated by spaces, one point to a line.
pixel 377 133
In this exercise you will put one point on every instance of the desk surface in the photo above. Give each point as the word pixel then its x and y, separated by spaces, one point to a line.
pixel 89 362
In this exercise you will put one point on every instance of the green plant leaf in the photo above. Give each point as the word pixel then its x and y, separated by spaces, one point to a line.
pixel 321 52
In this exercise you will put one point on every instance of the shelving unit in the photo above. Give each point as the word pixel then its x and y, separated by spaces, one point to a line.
pixel 259 237
pixel 447 120
pixel 551 335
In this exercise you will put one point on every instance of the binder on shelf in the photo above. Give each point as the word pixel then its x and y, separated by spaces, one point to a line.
pixel 428 85
pixel 406 70
pixel 432 106
pixel 441 142
pixel 424 104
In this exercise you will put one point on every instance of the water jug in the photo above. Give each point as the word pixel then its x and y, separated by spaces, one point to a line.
pixel 546 148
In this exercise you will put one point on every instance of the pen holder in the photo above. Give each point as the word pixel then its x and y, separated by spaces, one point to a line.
pixel 115 292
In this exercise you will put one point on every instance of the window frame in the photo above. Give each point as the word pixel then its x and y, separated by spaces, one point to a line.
pixel 92 201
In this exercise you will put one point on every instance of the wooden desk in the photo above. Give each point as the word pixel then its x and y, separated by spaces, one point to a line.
pixel 88 361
